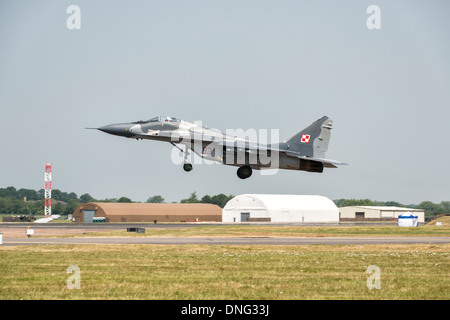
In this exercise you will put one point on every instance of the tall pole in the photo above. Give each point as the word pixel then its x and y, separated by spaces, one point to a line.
pixel 48 189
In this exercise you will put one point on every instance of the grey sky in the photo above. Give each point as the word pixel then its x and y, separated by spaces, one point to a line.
pixel 231 64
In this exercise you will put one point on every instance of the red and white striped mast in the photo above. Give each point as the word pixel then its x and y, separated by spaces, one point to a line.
pixel 48 189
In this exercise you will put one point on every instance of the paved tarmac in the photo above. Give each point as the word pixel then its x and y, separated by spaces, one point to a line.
pixel 228 240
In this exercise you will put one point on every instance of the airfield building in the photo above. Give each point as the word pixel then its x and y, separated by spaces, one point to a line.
pixel 280 208
pixel 373 213
pixel 146 212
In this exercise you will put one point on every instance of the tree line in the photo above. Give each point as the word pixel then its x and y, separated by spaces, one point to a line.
pixel 31 202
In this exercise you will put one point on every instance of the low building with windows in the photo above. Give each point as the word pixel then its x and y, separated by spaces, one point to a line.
pixel 380 213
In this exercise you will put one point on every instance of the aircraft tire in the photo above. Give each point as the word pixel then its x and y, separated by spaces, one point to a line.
pixel 187 167
pixel 244 172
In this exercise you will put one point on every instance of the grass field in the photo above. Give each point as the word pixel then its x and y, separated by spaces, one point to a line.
pixel 198 272
pixel 225 272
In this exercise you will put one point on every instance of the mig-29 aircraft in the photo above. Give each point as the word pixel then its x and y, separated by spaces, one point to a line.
pixel 304 151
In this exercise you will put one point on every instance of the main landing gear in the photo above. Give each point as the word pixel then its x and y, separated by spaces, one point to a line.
pixel 244 172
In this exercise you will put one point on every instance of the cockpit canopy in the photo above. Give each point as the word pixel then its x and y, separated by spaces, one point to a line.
pixel 163 119
pixel 159 119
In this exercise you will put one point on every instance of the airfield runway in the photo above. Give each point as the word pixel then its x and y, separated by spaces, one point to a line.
pixel 14 235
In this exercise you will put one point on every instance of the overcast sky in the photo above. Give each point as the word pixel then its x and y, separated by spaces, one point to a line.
pixel 231 64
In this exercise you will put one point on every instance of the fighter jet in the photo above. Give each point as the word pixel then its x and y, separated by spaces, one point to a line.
pixel 303 151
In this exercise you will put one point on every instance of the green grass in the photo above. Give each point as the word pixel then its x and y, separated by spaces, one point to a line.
pixel 225 272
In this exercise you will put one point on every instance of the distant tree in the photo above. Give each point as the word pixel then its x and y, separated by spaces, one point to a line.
pixel 353 202
pixel 41 193
pixel 29 194
pixel 4 205
pixel 84 198
pixel 124 199
pixel 9 192
pixel 19 207
pixel 59 195
pixel 392 204
pixel 445 205
pixel 338 202
pixel 431 209
pixel 58 208
pixel 222 199
pixel 206 199
pixel 72 195
pixel 72 204
pixel 191 199
pixel 155 199
pixel 218 199
pixel 63 196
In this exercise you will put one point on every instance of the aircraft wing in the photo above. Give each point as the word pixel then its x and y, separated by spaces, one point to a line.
pixel 255 148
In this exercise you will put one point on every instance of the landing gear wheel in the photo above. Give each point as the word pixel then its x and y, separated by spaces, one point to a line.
pixel 187 167
pixel 244 172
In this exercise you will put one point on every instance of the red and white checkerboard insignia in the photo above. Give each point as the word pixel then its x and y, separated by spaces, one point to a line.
pixel 305 138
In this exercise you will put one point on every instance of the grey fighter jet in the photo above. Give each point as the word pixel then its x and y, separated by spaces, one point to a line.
pixel 304 151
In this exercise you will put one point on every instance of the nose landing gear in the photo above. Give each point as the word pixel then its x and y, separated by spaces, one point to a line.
pixel 186 166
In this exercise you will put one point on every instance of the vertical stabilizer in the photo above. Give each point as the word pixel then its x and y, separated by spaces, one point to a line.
pixel 313 140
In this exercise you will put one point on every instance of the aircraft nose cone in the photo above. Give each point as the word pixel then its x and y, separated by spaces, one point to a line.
pixel 118 129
